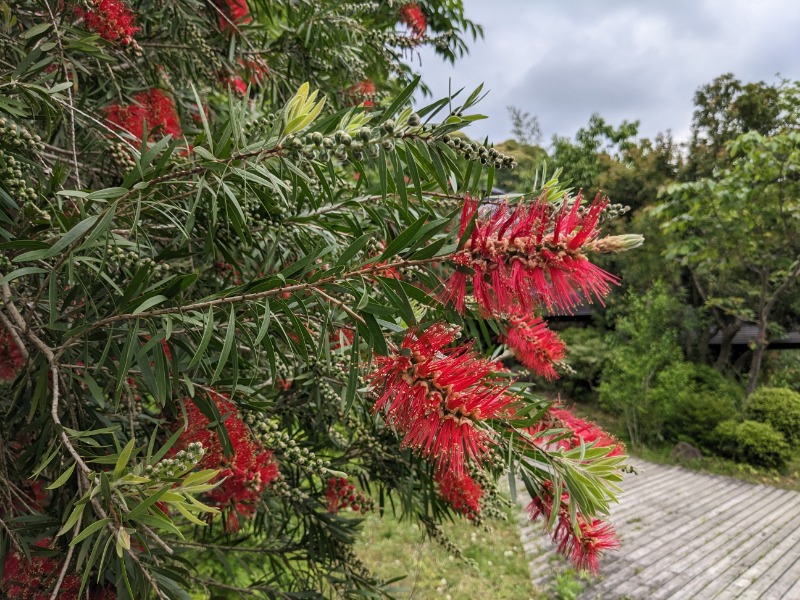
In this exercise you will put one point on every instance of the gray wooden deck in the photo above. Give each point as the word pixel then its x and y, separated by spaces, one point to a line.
pixel 689 535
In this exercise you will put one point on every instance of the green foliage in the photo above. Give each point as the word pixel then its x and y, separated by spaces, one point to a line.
pixel 778 407
pixel 568 585
pixel 753 442
pixel 699 398
pixel 587 357
pixel 581 161
pixel 734 233
pixel 636 382
pixel 783 369
pixel 228 278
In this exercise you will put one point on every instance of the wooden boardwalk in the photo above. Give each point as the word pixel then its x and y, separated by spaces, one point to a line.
pixel 690 535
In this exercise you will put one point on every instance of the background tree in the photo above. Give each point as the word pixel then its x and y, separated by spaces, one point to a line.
pixel 738 233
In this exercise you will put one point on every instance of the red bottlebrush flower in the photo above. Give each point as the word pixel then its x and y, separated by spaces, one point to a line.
pixel 411 14
pixel 11 359
pixel 363 93
pixel 462 493
pixel 580 431
pixel 534 345
pixel 528 254
pixel 237 83
pixel 583 547
pixel 33 580
pixel 236 12
pixel 153 109
pixel 342 494
pixel 112 20
pixel 438 397
pixel 246 473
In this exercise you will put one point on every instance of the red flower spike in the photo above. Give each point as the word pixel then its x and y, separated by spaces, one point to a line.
pixel 583 547
pixel 34 579
pixel 532 253
pixel 246 473
pixel 534 345
pixel 411 14
pixel 112 20
pixel 580 431
pixel 363 93
pixel 437 397
pixel 153 109
pixel 462 493
pixel 11 359
pixel 236 12
pixel 341 494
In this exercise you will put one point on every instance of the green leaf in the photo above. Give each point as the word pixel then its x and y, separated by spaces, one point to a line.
pixel 226 345
pixel 403 240
pixel 149 303
pixel 22 272
pixel 123 459
pixel 36 30
pixel 63 478
pixel 73 518
pixel 72 235
pixel 352 377
pixel 143 506
pixel 401 98
pixel 207 333
pixel 354 248
pixel 93 528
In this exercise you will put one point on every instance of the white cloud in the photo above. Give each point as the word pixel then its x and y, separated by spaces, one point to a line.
pixel 626 59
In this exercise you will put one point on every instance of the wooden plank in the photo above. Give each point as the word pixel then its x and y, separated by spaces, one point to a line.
pixel 712 565
pixel 780 564
pixel 664 559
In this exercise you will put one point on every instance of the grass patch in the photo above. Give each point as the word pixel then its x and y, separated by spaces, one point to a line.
pixel 391 549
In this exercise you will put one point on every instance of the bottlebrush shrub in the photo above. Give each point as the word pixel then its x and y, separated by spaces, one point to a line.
pixel 216 301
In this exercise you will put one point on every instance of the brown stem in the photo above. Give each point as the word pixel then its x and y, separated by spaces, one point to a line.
pixel 67 560
pixel 245 297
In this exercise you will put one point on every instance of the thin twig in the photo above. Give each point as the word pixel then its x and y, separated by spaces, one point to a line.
pixel 12 331
pixel 67 560
pixel 11 536
pixel 298 287
pixel 69 95
pixel 341 305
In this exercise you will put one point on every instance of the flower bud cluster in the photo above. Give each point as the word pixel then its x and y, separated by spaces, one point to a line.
pixel 118 258
pixel 204 58
pixel 184 460
pixel 436 533
pixel 18 138
pixel 281 488
pixel 121 157
pixel 268 434
pixel 349 558
pixel 475 151
pixel 15 139
pixel 613 211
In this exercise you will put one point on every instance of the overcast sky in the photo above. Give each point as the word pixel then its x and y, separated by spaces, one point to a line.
pixel 562 60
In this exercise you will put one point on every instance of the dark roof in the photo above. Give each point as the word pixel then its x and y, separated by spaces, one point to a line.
pixel 749 334
pixel 582 312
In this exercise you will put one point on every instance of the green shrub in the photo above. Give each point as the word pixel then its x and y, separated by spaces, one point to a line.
pixel 697 398
pixel 780 408
pixel 645 346
pixel 782 369
pixel 587 355
pixel 753 442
